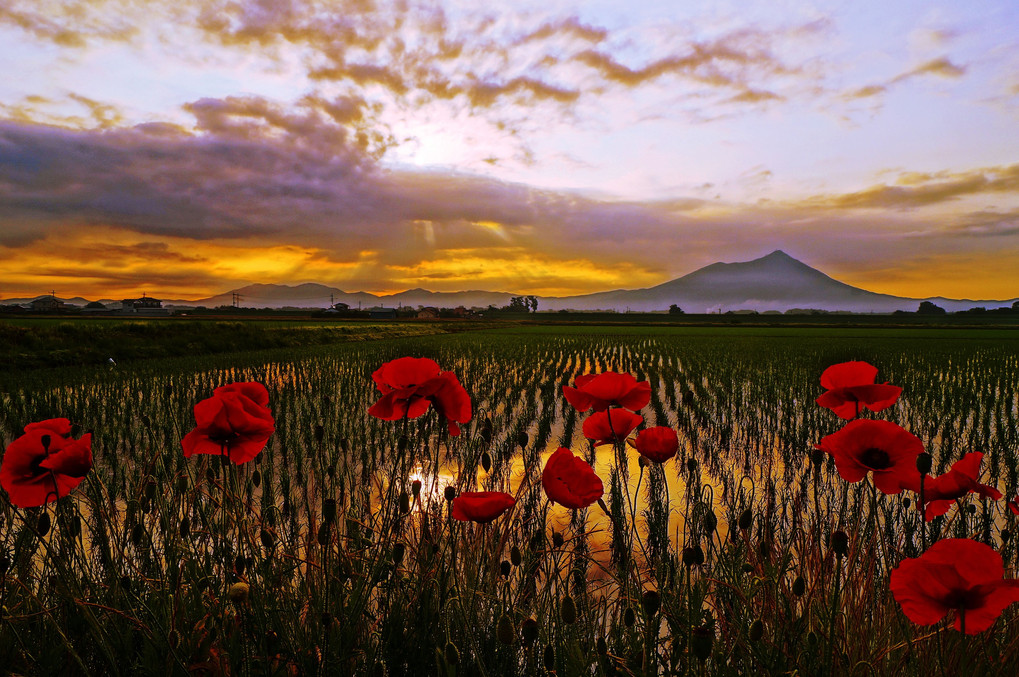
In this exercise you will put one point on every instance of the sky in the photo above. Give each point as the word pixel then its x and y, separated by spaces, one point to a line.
pixel 186 148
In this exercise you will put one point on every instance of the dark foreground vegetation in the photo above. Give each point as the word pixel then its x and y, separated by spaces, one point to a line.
pixel 334 550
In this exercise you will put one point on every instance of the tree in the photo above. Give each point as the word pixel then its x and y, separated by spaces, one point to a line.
pixel 675 310
pixel 532 303
pixel 928 308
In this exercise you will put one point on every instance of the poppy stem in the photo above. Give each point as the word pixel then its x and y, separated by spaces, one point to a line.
pixel 834 610
pixel 923 514
pixel 965 652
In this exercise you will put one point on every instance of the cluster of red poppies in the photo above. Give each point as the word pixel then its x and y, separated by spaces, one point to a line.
pixel 954 575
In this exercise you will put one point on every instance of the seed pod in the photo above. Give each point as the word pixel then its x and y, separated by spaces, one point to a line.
pixel 267 539
pixel 799 586
pixel 256 477
pixel 756 630
pixel 602 647
pixel 701 640
pixel 529 631
pixel 691 464
pixel 486 461
pixel 746 519
pixel 185 527
pixel 629 617
pixel 923 463
pixel 650 602
pixel 415 488
pixel 557 539
pixel 323 534
pixel 548 658
pixel 504 630
pixel 329 510
pixel 522 439
pixel 449 492
pixel 486 432
pixel 404 502
pixel 811 638
pixel 137 534
pixel 840 543
pixel 971 509
pixel 240 564
pixel 906 502
pixel 43 525
pixel 401 444
pixel 568 610
pixel 505 568
pixel 710 522
pixel 320 433
pixel 688 397
pixel 238 593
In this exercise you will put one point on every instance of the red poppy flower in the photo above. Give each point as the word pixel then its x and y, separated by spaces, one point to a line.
pixel 882 448
pixel 606 427
pixel 409 385
pixel 36 470
pixel 481 506
pixel 1013 505
pixel 851 384
pixel 570 481
pixel 235 421
pixel 939 493
pixel 608 389
pixel 657 444
pixel 955 574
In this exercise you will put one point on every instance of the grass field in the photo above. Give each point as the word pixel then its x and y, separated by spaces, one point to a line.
pixel 137 570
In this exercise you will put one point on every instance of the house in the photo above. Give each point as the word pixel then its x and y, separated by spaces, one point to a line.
pixel 46 304
pixel 341 307
pixel 145 302
pixel 382 313
pixel 428 313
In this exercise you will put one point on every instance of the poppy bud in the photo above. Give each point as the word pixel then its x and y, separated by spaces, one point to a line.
pixel 756 630
pixel 840 543
pixel 811 638
pixel 710 522
pixel 504 629
pixel 906 502
pixel 817 456
pixel 688 397
pixel 691 464
pixel 642 462
pixel 125 583
pixel 266 538
pixel 320 433
pixel 398 551
pixel 239 564
pixel 45 441
pixel 746 519
pixel 486 461
pixel 548 658
pixel 522 439
pixel 650 602
pixel 505 568
pixel 515 557
pixel 529 631
pixel 137 534
pixel 256 477
pixel 449 492
pixel 185 527
pixel 971 509
pixel 323 534
pixel 605 508
pixel 602 647
pixel 799 586
pixel 401 444
pixel 43 525
pixel 557 539
pixel 486 432
pixel 150 488
pixel 415 488
pixel 329 510
pixel 452 654
pixel 923 463
pixel 568 610
pixel 693 556
pixel 701 639
pixel 404 502
pixel 629 617
pixel 238 593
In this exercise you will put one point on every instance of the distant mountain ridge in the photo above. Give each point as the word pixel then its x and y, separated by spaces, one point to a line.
pixel 774 282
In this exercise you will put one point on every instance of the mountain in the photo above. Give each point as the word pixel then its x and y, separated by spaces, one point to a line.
pixel 773 282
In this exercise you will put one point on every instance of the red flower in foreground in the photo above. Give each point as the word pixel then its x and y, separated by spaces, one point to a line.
pixel 1013 505
pixel 45 463
pixel 955 574
pixel 409 385
pixel 940 492
pixel 570 481
pixel 657 444
pixel 235 421
pixel 851 384
pixel 481 506
pixel 613 425
pixel 608 389
pixel 882 448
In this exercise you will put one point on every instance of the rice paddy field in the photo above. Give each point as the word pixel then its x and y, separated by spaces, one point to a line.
pixel 333 552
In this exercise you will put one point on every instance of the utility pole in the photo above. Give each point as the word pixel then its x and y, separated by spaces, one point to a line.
pixel 331 301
